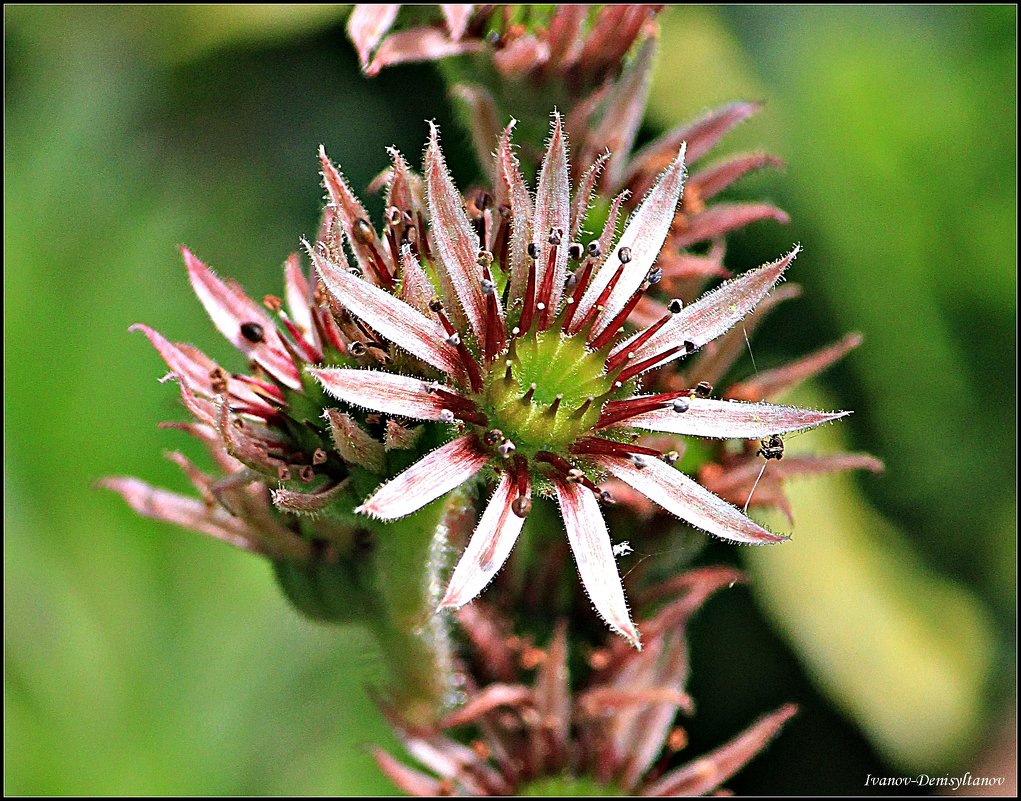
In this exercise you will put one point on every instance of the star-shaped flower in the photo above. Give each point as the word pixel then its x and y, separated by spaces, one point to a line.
pixel 514 334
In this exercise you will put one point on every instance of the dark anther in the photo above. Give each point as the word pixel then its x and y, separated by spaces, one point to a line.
pixel 393 216
pixel 576 250
pixel 284 473
pixel 574 475
pixel 493 436
pixel 533 250
pixel 521 506
pixel 675 306
pixel 556 236
pixel 483 200
pixel 671 457
pixel 454 339
pixel 624 254
pixel 639 461
pixel 446 416
pixel 357 349
pixel 487 286
pixel 680 405
pixel 253 332
pixel 704 389
pixel 571 283
pixel 218 378
pixel 595 249
pixel 306 473
pixel 655 275
pixel 689 346
pixel 436 305
pixel 363 231
pixel 485 258
pixel 319 456
pixel 272 302
pixel 606 498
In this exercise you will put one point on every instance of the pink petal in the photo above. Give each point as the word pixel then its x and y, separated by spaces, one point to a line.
pixel 405 188
pixel 482 118
pixel 299 296
pixel 709 772
pixel 416 289
pixel 409 780
pixel 644 236
pixel 723 218
pixel 713 313
pixel 488 548
pixel 683 497
pixel 553 209
pixel 731 419
pixel 513 189
pixel 190 513
pixel 419 44
pixel 773 382
pixel 593 553
pixel 229 310
pixel 521 56
pixel 486 700
pixel 436 474
pixel 709 182
pixel 720 354
pixel 614 31
pixel 701 136
pixel 457 16
pixel 367 25
pixel 354 443
pixel 395 320
pixel 307 503
pixel 564 32
pixel 350 212
pixel 456 239
pixel 623 112
pixel 383 392
pixel 583 197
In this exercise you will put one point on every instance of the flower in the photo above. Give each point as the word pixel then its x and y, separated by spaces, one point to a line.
pixel 614 732
pixel 527 43
pixel 514 333
pixel 595 63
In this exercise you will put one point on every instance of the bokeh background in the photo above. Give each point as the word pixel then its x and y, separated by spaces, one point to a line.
pixel 140 659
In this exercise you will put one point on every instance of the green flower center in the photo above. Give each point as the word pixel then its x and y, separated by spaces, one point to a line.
pixel 553 395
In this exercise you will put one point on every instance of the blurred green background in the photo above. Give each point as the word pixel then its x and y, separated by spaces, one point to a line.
pixel 143 659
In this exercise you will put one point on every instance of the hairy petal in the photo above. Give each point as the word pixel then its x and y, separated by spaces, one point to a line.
pixel 682 496
pixel 709 772
pixel 774 382
pixel 413 782
pixel 389 393
pixel 713 313
pixel 436 474
pixel 722 419
pixel 419 44
pixel 350 212
pixel 723 218
pixel 644 235
pixel 593 553
pixel 455 236
pixel 623 113
pixel 392 318
pixel 354 443
pixel 709 182
pixel 701 136
pixel 457 16
pixel 190 513
pixel 553 208
pixel 515 193
pixel 229 309
pixel 368 24
pixel 583 197
pixel 416 289
pixel 488 548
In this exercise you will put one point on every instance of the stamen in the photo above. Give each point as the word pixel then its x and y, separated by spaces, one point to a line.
pixel 528 313
pixel 593 313
pixel 579 289
pixel 546 292
pixel 704 389
pixel 628 353
pixel 366 235
pixel 646 364
pixel 616 411
pixel 614 326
